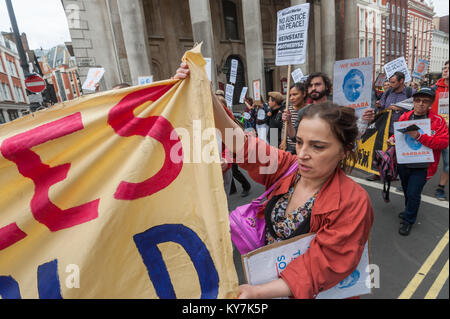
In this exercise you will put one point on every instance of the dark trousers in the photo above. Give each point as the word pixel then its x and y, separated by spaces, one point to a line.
pixel 237 174
pixel 413 180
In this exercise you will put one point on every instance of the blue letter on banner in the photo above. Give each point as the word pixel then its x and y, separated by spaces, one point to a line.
pixel 9 288
pixel 48 281
pixel 146 243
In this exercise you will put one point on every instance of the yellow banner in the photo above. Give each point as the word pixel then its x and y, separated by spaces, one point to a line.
pixel 100 197
pixel 372 140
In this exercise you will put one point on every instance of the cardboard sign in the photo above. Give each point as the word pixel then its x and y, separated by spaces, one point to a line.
pixel 243 93
pixel 407 104
pixel 352 84
pixel 408 149
pixel 381 78
pixel 398 64
pixel 292 35
pixel 257 90
pixel 94 76
pixel 208 67
pixel 443 105
pixel 297 75
pixel 229 92
pixel 420 69
pixel 233 71
pixel 265 264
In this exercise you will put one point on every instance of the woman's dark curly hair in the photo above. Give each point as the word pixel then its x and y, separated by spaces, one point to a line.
pixel 342 121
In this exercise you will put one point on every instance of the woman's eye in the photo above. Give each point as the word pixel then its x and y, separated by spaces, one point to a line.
pixel 319 147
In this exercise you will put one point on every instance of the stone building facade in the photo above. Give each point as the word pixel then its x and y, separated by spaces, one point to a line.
pixel 148 37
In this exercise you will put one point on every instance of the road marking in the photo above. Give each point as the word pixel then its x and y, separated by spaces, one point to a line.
pixel 423 271
pixel 425 198
pixel 438 283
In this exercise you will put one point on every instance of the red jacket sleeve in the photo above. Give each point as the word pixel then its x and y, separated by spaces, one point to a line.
pixel 264 163
pixel 439 140
pixel 336 250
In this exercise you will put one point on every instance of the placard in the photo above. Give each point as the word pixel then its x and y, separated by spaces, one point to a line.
pixel 266 264
pixel 229 92
pixel 292 35
pixel 297 75
pixel 398 64
pixel 208 67
pixel 443 105
pixel 352 83
pixel 381 78
pixel 233 71
pixel 243 93
pixel 409 150
pixel 407 104
pixel 420 69
pixel 94 76
pixel 257 90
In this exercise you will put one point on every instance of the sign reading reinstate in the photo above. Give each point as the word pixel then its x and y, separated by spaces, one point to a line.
pixel 292 35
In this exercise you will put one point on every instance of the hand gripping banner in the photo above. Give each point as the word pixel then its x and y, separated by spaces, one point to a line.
pixel 99 197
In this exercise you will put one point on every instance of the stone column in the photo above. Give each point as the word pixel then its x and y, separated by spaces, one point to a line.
pixel 317 37
pixel 328 39
pixel 135 38
pixel 304 67
pixel 202 31
pixel 351 36
pixel 253 44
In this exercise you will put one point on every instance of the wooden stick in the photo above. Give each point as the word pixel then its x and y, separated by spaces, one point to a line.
pixel 283 144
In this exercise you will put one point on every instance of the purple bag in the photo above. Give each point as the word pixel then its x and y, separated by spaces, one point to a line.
pixel 248 231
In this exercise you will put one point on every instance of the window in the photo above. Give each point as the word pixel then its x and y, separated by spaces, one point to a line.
pixel 230 20
pixel 19 94
pixel 362 19
pixel 362 48
pixel 387 46
pixel 12 68
pixel 370 21
pixel 2 117
pixel 378 53
pixel 13 114
pixel 6 92
pixel 1 65
pixel 370 48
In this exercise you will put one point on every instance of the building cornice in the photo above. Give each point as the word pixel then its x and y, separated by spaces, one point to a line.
pixel 420 7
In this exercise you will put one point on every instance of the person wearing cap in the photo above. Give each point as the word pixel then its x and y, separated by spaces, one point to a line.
pixel 274 118
pixel 220 93
pixel 414 176
pixel 441 89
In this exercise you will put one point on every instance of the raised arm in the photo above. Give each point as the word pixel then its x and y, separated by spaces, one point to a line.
pixel 224 123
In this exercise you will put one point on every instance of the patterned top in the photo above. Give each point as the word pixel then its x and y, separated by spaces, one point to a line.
pixel 284 223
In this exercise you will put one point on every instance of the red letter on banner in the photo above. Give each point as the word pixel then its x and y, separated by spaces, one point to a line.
pixel 10 234
pixel 18 150
pixel 124 123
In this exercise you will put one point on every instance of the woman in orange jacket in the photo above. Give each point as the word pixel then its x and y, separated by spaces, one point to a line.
pixel 320 198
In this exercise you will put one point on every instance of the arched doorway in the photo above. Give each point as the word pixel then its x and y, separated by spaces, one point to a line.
pixel 240 77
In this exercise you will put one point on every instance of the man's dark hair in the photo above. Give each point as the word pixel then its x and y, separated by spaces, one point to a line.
pixel 121 86
pixel 399 75
pixel 325 79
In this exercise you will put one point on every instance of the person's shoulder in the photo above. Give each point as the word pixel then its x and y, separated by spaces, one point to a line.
pixel 436 118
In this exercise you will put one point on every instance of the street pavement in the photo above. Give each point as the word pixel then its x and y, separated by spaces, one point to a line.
pixel 415 266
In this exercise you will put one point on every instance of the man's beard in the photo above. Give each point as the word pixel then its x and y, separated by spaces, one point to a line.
pixel 318 95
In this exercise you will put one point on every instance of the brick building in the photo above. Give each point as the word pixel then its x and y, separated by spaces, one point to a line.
pixel 420 19
pixel 60 70
pixel 13 98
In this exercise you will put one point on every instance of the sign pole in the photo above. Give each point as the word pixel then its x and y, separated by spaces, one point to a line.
pixel 283 144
